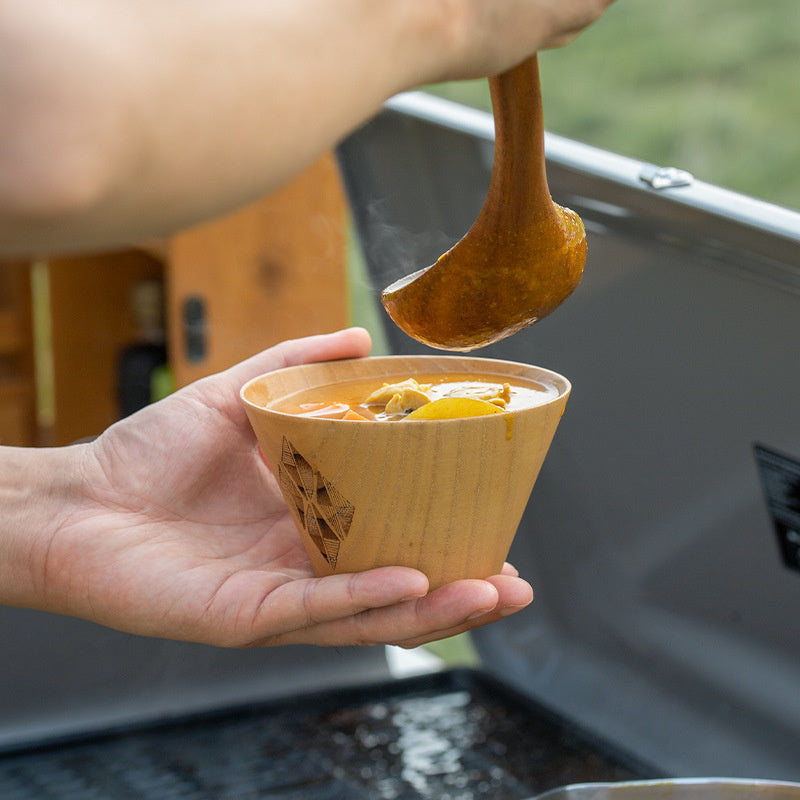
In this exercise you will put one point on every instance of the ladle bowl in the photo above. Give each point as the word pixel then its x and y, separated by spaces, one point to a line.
pixel 522 257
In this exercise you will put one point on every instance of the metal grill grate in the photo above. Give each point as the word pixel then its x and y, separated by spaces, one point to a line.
pixel 450 736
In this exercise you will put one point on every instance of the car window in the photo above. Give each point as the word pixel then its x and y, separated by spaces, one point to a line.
pixel 712 87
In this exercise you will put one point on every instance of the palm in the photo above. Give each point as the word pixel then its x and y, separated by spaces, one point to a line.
pixel 184 487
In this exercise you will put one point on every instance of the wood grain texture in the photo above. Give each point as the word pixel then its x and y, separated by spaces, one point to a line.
pixel 272 271
pixel 445 496
pixel 91 321
pixel 17 375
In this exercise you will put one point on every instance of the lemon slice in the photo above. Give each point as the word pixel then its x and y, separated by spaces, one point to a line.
pixel 453 408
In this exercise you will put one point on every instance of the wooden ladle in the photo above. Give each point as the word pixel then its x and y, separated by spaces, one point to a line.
pixel 522 256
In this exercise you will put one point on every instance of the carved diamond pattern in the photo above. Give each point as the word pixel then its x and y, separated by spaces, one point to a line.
pixel 324 512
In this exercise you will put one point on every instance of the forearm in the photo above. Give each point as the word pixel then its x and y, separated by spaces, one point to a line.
pixel 134 119
pixel 36 490
pixel 126 121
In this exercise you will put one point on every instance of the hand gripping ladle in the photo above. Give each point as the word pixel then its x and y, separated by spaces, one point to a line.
pixel 523 255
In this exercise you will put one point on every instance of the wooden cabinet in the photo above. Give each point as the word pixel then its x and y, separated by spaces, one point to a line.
pixel 91 321
pixel 273 271
pixel 231 287
pixel 17 383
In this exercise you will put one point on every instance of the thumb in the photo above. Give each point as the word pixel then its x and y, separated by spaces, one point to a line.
pixel 347 343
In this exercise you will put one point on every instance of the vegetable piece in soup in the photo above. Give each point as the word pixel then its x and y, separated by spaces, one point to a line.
pixel 396 400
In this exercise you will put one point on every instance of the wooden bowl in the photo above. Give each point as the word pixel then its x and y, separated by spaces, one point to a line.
pixel 444 496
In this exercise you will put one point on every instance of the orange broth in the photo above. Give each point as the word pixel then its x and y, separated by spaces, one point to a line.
pixel 347 399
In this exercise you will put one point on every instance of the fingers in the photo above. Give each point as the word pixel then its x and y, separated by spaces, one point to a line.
pixel 571 19
pixel 368 608
pixel 315 602
pixel 514 595
pixel 347 343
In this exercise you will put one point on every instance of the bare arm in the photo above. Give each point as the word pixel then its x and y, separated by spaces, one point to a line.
pixel 123 121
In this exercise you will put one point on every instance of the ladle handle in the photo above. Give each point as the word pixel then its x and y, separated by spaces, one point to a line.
pixel 519 164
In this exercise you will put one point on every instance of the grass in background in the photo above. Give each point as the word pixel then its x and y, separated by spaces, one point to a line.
pixel 710 87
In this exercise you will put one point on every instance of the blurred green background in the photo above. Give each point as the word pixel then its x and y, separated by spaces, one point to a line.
pixel 710 86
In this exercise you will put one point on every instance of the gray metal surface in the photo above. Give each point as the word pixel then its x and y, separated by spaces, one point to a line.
pixel 453 735
pixel 665 617
pixel 61 677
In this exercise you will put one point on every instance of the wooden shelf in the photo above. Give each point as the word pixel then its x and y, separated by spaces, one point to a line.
pixel 17 381
pixel 16 403
pixel 12 339
pixel 274 270
pixel 14 388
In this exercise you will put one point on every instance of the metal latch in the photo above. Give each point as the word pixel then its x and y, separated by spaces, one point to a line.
pixel 665 177
pixel 194 329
